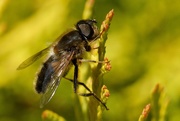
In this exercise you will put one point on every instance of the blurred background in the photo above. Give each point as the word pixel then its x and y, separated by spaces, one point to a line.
pixel 143 46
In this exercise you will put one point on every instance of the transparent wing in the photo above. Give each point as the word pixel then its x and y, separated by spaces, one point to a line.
pixel 60 68
pixel 33 58
pixel 38 55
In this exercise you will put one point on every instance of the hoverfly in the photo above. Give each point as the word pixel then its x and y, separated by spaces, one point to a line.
pixel 65 52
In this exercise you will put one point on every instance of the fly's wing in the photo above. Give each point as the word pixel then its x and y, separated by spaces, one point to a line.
pixel 33 58
pixel 59 70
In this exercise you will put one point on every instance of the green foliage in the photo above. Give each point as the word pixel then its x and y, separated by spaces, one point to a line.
pixel 51 116
pixel 159 104
pixel 145 113
pixel 143 48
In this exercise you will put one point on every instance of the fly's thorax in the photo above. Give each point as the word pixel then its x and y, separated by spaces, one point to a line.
pixel 78 49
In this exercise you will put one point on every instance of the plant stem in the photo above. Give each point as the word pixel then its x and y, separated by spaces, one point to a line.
pixel 96 110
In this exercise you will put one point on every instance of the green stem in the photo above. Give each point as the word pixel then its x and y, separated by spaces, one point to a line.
pixel 95 109
pixel 88 9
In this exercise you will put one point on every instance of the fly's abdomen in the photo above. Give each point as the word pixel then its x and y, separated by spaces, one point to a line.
pixel 44 76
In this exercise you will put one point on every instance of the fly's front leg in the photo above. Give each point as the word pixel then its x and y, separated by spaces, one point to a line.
pixel 93 61
pixel 106 62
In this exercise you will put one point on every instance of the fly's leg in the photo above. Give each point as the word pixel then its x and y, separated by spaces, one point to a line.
pixel 93 61
pixel 75 81
pixel 106 62
pixel 87 94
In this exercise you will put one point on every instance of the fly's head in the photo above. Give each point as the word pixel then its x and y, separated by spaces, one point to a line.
pixel 88 29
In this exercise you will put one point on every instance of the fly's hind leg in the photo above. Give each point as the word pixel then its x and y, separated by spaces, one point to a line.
pixel 88 94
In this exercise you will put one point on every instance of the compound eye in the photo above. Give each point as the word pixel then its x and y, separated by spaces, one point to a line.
pixel 86 30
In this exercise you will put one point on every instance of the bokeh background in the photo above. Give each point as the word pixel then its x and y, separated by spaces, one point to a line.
pixel 143 46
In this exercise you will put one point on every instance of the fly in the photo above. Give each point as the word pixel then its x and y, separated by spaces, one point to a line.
pixel 65 52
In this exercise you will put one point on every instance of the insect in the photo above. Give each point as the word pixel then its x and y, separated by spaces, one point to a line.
pixel 66 51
